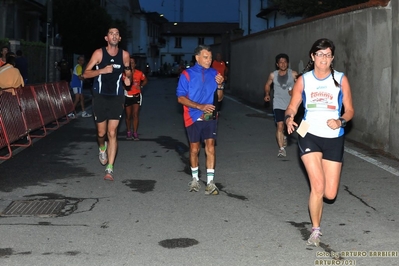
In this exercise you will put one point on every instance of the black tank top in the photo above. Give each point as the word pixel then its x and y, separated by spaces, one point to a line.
pixel 110 84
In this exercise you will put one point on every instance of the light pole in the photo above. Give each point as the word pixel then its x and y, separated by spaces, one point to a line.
pixel 49 21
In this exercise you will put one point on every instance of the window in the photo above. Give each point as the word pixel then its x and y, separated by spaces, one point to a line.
pixel 201 40
pixel 178 42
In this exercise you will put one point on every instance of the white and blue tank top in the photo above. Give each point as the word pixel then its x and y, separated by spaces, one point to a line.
pixel 322 100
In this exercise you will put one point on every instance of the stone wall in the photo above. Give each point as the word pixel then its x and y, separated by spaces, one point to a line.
pixel 367 51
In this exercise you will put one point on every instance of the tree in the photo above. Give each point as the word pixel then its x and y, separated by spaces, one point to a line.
pixel 83 25
pixel 310 8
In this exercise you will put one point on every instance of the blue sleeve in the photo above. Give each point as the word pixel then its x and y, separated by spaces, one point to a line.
pixel 182 87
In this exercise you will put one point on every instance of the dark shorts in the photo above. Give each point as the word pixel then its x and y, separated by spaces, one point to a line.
pixel 107 107
pixel 202 130
pixel 136 99
pixel 279 115
pixel 331 148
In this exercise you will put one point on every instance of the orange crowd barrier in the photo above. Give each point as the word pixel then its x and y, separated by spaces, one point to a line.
pixel 30 112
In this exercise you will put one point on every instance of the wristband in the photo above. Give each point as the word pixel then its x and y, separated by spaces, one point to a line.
pixel 285 118
pixel 343 122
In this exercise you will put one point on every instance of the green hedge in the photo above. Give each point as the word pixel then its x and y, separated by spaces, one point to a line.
pixel 35 53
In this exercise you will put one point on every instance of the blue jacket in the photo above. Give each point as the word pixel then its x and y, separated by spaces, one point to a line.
pixel 198 84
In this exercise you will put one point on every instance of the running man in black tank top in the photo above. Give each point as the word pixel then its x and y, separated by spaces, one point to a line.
pixel 106 66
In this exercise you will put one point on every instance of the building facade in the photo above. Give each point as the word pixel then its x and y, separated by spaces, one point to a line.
pixel 259 15
pixel 182 38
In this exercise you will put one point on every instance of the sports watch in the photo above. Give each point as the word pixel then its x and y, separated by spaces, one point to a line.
pixel 343 122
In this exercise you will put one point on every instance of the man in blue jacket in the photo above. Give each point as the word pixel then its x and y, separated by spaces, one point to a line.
pixel 199 90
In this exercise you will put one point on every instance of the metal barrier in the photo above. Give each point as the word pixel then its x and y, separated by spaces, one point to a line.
pixel 56 102
pixel 63 89
pixel 30 108
pixel 30 112
pixel 45 106
pixel 12 123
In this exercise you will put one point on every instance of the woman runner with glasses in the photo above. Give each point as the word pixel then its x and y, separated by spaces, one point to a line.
pixel 324 92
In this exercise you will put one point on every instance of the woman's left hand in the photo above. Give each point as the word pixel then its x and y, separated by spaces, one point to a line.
pixel 334 123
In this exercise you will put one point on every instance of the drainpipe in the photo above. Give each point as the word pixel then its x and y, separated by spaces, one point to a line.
pixel 249 17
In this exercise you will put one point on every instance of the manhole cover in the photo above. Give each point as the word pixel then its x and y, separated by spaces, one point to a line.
pixel 178 243
pixel 34 208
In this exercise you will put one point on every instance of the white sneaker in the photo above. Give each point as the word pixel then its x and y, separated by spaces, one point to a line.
pixel 85 114
pixel 211 189
pixel 102 155
pixel 71 115
pixel 281 153
pixel 194 185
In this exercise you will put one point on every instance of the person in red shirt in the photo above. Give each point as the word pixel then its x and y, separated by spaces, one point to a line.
pixel 220 66
pixel 133 99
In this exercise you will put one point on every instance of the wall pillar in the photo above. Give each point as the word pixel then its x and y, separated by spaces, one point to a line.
pixel 394 115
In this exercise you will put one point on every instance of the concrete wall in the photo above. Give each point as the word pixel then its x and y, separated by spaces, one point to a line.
pixel 366 51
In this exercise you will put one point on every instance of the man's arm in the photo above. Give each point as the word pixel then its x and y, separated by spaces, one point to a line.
pixel 144 81
pixel 219 80
pixel 294 75
pixel 127 67
pixel 267 87
pixel 95 60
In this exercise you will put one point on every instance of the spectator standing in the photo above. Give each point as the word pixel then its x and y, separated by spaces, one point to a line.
pixel 325 93
pixel 65 70
pixel 133 100
pixel 110 63
pixel 196 91
pixel 77 86
pixel 283 79
pixel 10 77
pixel 22 64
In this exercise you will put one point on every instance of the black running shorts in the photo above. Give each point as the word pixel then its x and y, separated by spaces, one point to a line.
pixel 331 148
pixel 107 107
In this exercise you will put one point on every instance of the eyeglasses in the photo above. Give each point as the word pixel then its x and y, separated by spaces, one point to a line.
pixel 320 54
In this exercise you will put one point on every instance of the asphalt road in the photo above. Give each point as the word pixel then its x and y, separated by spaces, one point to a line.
pixel 148 217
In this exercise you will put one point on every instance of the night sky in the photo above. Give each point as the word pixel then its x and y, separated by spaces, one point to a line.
pixel 194 11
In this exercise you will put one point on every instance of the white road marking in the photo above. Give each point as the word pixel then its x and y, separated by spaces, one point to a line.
pixel 366 158
pixel 385 167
